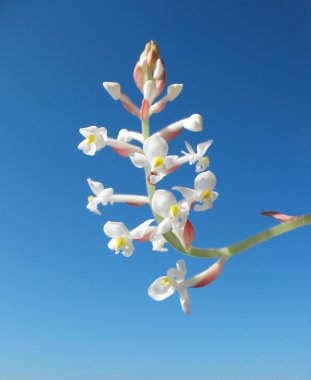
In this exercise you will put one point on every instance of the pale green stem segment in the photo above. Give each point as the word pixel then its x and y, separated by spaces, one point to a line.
pixel 233 249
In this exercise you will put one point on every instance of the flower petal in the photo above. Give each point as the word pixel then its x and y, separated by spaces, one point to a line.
pixel 96 187
pixel 185 191
pixel 155 146
pixel 162 200
pixel 184 300
pixel 139 160
pixel 115 230
pixel 206 180
pixel 140 231
pixel 158 292
pixel 202 147
pixel 164 226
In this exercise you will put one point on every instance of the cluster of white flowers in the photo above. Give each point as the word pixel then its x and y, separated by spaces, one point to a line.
pixel 151 153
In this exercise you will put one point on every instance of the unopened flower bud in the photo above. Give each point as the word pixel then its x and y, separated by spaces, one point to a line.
pixel 173 91
pixel 194 123
pixel 149 91
pixel 159 68
pixel 113 89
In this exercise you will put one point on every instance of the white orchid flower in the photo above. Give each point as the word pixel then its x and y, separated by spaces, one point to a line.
pixel 121 237
pixel 174 214
pixel 95 140
pixel 203 193
pixel 164 286
pixel 102 196
pixel 154 157
pixel 198 156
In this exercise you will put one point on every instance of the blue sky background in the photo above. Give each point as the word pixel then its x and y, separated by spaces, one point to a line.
pixel 70 308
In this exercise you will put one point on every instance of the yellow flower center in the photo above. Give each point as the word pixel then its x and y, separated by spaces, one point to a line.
pixel 206 194
pixel 90 139
pixel 205 161
pixel 119 243
pixel 165 282
pixel 174 209
pixel 157 161
pixel 90 198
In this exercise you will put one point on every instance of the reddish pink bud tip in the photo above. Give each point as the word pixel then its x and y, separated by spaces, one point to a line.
pixel 138 76
pixel 188 235
pixel 144 111
pixel 211 274
pixel 282 218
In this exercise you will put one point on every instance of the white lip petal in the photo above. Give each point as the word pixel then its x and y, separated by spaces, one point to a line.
pixel 141 230
pixel 89 149
pixel 115 230
pixel 202 147
pixel 96 187
pixel 205 206
pixel 139 160
pixel 128 249
pixel 206 180
pixel 112 245
pixel 158 292
pixel 162 200
pixel 155 146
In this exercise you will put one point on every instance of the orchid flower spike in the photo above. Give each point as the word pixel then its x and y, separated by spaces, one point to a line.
pixel 95 140
pixel 121 237
pixel 203 193
pixel 102 196
pixel 164 286
pixel 198 156
pixel 155 159
pixel 174 214
pixel 194 123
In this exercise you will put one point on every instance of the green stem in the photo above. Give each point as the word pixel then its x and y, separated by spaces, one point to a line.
pixel 233 249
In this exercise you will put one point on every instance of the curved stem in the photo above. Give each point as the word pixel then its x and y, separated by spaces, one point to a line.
pixel 233 249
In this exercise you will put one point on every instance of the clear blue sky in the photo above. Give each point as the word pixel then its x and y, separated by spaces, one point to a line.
pixel 70 308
